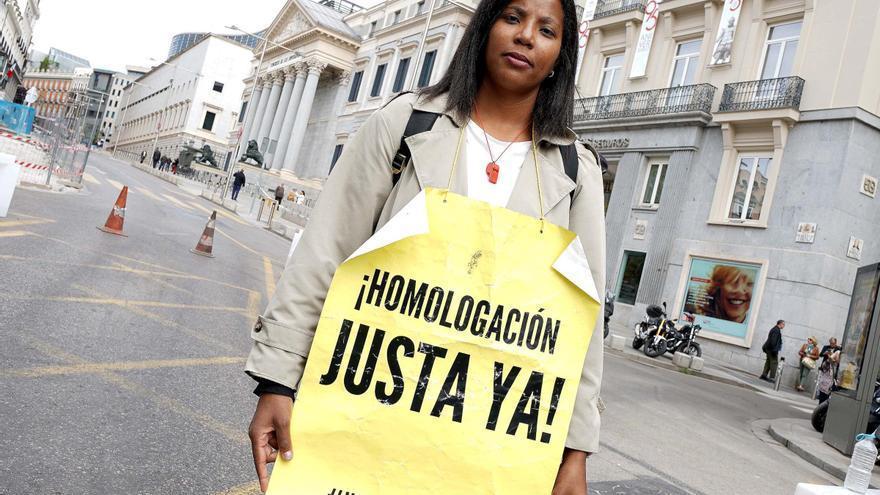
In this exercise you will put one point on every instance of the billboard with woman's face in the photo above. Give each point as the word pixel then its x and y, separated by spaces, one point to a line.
pixel 720 294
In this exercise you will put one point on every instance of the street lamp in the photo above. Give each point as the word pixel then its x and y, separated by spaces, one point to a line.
pixel 124 111
pixel 168 98
pixel 250 107
pixel 412 81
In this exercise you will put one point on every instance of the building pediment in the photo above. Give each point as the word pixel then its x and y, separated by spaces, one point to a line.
pixel 299 17
pixel 292 23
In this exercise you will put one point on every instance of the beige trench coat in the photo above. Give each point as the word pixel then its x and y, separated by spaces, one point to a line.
pixel 358 199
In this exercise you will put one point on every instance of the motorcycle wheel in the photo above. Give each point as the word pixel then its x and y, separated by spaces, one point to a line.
pixel 692 349
pixel 818 417
pixel 653 351
pixel 637 343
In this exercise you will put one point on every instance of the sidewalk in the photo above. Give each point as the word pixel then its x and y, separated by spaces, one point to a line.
pixel 247 207
pixel 799 437
pixel 713 370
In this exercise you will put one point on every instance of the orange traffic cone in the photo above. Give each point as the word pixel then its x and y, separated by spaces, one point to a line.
pixel 206 242
pixel 117 215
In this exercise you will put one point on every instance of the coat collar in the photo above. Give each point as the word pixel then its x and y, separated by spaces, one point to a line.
pixel 433 153
pixel 438 105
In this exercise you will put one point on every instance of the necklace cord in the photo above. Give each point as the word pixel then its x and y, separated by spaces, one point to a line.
pixel 534 157
pixel 454 162
pixel 538 178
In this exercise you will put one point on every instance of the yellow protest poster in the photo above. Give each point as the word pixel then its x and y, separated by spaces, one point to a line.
pixel 447 358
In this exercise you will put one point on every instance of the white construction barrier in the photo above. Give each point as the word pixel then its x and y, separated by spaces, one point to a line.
pixel 807 489
pixel 9 171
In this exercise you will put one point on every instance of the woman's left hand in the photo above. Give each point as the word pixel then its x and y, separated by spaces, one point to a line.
pixel 572 476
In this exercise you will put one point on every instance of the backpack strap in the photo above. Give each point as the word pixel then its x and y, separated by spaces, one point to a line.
pixel 570 160
pixel 418 123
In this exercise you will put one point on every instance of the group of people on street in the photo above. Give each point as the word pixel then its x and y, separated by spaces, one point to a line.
pixel 162 162
pixel 239 180
pixel 810 356
pixel 167 165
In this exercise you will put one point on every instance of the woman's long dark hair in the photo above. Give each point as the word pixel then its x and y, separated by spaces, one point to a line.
pixel 553 113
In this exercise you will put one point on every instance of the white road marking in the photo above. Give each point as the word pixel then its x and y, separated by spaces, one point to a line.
pixel 146 192
pixel 177 202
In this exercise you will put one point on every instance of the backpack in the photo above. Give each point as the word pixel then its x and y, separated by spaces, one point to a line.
pixel 421 121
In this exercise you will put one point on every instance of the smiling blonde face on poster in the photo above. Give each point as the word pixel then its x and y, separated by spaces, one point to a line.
pixel 731 291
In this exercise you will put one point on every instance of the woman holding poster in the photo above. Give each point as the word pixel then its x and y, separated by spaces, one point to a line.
pixel 502 113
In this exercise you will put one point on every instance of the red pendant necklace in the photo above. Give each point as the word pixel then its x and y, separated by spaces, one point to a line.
pixel 492 168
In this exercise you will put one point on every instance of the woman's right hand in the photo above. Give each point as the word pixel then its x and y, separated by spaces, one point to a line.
pixel 270 433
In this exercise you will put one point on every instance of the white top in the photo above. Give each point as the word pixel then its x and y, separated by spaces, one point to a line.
pixel 478 158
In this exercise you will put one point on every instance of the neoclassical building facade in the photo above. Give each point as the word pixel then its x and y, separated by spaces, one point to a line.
pixel 328 65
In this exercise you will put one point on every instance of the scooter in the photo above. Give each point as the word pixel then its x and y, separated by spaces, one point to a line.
pixel 653 315
pixel 609 310
pixel 668 337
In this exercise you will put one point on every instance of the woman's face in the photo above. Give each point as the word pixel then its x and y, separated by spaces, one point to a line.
pixel 735 296
pixel 524 44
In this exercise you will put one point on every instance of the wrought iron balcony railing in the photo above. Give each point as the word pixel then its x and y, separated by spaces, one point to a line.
pixel 681 99
pixel 605 8
pixel 784 92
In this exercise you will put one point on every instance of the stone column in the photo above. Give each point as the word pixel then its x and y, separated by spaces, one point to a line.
pixel 271 110
pixel 322 168
pixel 261 110
pixel 302 113
pixel 251 110
pixel 301 70
pixel 275 130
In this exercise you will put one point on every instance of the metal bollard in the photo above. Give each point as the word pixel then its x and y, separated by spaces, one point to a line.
pixel 779 368
pixel 260 211
pixel 272 210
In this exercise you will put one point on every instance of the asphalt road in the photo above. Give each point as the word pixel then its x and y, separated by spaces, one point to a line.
pixel 121 363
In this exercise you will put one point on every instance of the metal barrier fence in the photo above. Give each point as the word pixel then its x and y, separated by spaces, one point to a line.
pixel 63 142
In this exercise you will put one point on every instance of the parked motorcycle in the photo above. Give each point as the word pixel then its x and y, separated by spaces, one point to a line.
pixel 609 309
pixel 653 315
pixel 821 412
pixel 669 337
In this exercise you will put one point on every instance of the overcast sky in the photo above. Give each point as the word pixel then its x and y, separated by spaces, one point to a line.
pixel 114 33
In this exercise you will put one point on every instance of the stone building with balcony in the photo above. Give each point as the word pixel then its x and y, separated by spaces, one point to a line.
pixel 743 161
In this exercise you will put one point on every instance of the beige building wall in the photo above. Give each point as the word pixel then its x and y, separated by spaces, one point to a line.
pixel 838 40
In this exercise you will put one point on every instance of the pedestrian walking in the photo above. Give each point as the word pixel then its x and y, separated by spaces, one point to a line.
pixel 809 354
pixel 174 166
pixel 156 157
pixel 238 182
pixel 512 77
pixel 279 195
pixel 143 156
pixel 772 347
